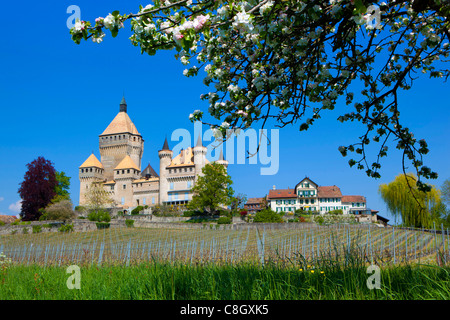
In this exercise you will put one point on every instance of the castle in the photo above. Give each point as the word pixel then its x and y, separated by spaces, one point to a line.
pixel 119 168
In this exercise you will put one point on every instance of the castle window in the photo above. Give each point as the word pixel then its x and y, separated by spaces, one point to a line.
pixel 189 184
pixel 123 171
pixel 153 200
pixel 186 196
pixel 91 169
pixel 82 170
pixel 185 169
pixel 123 200
pixel 128 171
pixel 171 186
pixel 176 196
pixel 134 138
pixel 124 186
pixel 118 172
pixel 112 187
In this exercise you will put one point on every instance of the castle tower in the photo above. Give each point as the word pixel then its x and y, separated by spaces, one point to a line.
pixel 120 139
pixel 89 172
pixel 222 161
pixel 165 158
pixel 199 157
pixel 124 175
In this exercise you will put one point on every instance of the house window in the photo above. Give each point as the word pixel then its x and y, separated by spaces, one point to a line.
pixel 312 201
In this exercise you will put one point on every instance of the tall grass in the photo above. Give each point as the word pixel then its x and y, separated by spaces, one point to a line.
pixel 245 281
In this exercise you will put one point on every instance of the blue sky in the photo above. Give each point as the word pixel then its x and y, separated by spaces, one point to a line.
pixel 57 97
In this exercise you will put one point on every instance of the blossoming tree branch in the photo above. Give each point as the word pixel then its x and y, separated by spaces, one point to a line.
pixel 289 61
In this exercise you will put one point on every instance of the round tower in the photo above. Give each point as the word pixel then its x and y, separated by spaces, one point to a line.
pixel 199 157
pixel 165 158
pixel 222 161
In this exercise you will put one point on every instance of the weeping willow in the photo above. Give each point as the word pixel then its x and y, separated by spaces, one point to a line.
pixel 412 205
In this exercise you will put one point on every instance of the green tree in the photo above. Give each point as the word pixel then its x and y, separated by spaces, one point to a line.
pixel 405 200
pixel 212 190
pixel 63 186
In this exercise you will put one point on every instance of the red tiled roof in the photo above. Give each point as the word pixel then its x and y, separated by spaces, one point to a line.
pixel 7 218
pixel 353 199
pixel 254 200
pixel 329 192
pixel 281 194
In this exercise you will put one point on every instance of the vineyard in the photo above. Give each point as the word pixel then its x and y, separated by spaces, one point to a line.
pixel 262 243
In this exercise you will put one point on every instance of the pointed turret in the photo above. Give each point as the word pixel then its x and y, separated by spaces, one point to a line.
pixel 123 105
pixel 165 145
pixel 199 141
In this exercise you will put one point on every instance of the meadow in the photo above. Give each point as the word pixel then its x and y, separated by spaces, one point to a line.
pixel 278 262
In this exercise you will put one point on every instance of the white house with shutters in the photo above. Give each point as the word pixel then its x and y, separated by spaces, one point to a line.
pixel 309 196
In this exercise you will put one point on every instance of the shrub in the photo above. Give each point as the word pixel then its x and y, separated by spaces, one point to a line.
pixel 37 228
pixel 319 219
pixel 99 216
pixel 224 220
pixel 66 228
pixel 2 223
pixel 103 225
pixel 267 215
pixel 61 210
pixel 25 230
pixel 136 210
pixel 129 223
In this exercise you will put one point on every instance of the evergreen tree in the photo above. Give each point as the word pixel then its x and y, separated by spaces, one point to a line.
pixel 37 189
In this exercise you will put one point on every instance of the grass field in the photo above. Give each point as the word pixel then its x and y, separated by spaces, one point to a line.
pixel 289 261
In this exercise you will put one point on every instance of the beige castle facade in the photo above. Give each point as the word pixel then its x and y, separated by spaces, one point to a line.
pixel 119 168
